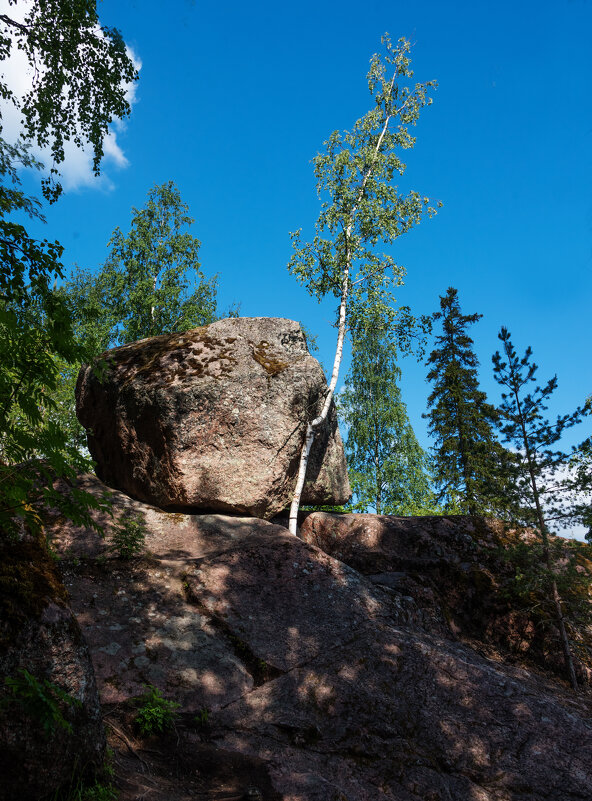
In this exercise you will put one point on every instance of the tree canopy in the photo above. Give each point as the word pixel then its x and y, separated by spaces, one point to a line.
pixel 151 283
pixel 78 88
pixel 538 462
pixel 388 468
pixel 81 74
pixel 361 206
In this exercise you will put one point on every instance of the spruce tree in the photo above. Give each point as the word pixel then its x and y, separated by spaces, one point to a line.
pixel 538 465
pixel 387 467
pixel 461 420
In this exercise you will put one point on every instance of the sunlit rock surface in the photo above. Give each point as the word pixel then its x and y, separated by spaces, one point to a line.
pixel 213 419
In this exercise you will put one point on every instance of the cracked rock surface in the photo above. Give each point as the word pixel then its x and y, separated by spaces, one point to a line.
pixel 320 683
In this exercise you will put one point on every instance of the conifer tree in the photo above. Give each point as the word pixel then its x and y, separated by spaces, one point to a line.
pixel 581 482
pixel 460 418
pixel 387 467
pixel 538 460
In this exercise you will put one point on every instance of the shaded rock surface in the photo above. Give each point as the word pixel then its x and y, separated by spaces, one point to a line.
pixel 320 682
pixel 213 419
pixel 40 635
pixel 454 569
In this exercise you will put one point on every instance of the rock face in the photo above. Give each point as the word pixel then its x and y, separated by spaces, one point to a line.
pixel 327 683
pixel 40 635
pixel 213 419
pixel 454 569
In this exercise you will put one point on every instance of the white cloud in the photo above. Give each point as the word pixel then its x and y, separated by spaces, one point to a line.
pixel 563 474
pixel 76 169
pixel 567 473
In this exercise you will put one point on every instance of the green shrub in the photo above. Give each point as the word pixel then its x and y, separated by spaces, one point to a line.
pixel 155 713
pixel 79 791
pixel 202 717
pixel 98 792
pixel 41 699
pixel 95 788
pixel 129 536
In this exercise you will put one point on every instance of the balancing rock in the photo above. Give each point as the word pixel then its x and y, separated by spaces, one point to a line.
pixel 213 419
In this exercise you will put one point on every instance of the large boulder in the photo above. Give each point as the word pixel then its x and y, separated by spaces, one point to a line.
pixel 50 720
pixel 213 419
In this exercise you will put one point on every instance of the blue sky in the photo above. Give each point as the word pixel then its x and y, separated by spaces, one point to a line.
pixel 235 99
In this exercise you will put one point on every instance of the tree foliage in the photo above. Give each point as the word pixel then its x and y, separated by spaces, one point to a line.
pixel 461 421
pixel 78 87
pixel 35 337
pixel 81 72
pixel 539 477
pixel 538 459
pixel 388 469
pixel 151 284
pixel 581 465
pixel 361 206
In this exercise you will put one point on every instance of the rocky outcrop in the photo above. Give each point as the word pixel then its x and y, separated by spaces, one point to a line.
pixel 326 683
pixel 460 571
pixel 213 419
pixel 50 720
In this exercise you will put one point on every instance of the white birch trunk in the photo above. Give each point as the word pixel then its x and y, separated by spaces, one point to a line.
pixel 314 424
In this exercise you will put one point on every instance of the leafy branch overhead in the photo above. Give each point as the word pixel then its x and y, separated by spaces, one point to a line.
pixel 81 76
pixel 361 206
pixel 81 73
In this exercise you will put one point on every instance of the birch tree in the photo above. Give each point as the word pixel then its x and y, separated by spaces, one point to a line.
pixel 150 284
pixel 151 281
pixel 361 206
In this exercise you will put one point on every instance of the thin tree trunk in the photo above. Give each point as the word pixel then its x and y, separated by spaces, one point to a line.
pixel 465 463
pixel 556 598
pixel 314 424
pixel 377 465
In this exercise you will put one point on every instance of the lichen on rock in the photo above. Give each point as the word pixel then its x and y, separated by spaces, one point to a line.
pixel 213 419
